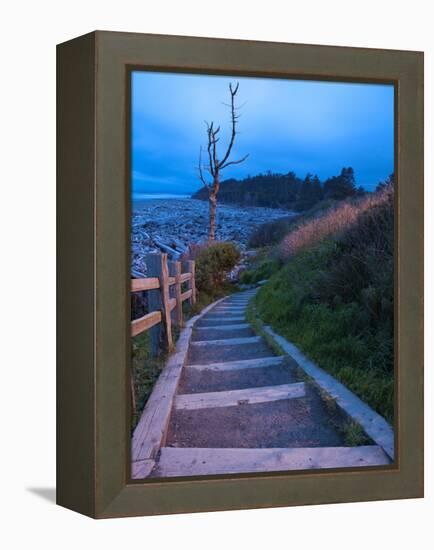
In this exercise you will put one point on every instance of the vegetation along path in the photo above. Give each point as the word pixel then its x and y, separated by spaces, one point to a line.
pixel 239 407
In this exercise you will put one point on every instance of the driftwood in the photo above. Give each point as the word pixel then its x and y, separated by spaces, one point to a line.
pixel 135 274
pixel 179 223
pixel 174 254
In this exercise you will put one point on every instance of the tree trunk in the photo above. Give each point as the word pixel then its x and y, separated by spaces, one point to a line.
pixel 212 212
pixel 213 191
pixel 215 165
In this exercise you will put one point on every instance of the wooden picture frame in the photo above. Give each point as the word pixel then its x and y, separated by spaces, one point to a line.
pixel 93 392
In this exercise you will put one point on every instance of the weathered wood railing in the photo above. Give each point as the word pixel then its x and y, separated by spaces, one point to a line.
pixel 165 298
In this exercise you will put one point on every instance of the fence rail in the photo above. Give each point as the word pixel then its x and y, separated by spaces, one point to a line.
pixel 165 297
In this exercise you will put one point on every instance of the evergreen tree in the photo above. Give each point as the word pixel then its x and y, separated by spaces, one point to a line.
pixel 310 193
pixel 349 180
pixel 342 186
pixel 390 180
pixel 317 191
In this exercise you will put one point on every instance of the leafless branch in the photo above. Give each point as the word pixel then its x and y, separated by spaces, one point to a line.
pixel 209 132
pixel 200 170
pixel 234 117
pixel 237 108
pixel 214 165
pixel 234 162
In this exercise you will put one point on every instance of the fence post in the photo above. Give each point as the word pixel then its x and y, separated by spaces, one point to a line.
pixel 158 300
pixel 188 266
pixel 193 280
pixel 175 271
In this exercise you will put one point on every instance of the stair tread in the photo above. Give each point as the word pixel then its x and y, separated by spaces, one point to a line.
pixel 229 398
pixel 213 461
pixel 259 362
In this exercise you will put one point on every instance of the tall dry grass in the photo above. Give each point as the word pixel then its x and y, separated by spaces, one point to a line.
pixel 332 223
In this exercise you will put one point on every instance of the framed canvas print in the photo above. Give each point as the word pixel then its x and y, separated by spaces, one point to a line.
pixel 240 230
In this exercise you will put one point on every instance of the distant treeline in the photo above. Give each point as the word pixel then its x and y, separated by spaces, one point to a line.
pixel 285 190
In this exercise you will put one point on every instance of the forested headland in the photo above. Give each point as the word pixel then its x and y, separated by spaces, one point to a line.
pixel 288 191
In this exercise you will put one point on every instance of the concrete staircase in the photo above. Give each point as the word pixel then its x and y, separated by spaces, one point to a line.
pixel 241 408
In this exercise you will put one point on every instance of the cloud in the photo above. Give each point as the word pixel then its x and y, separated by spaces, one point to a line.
pixel 304 126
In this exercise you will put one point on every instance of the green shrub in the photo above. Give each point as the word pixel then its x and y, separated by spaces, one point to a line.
pixel 271 233
pixel 213 265
pixel 259 272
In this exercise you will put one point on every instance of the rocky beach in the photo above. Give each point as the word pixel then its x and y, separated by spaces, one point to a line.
pixel 171 225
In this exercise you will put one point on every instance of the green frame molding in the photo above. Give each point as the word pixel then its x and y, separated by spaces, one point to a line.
pixel 93 436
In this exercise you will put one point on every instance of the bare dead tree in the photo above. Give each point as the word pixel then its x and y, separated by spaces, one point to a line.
pixel 213 164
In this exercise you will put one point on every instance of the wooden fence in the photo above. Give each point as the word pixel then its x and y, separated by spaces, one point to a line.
pixel 165 295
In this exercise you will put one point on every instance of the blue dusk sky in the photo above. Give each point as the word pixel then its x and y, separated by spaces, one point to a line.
pixel 285 125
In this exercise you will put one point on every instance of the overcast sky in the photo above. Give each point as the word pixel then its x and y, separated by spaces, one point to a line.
pixel 285 125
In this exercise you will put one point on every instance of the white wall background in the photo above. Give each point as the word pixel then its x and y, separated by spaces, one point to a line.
pixel 29 32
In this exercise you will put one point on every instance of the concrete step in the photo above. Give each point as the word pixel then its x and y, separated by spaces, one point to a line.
pixel 232 305
pixel 235 326
pixel 180 462
pixel 239 365
pixel 216 319
pixel 243 302
pixel 225 312
pixel 228 350
pixel 207 380
pixel 192 401
pixel 239 301
pixel 301 422
pixel 227 341
pixel 222 321
pixel 213 333
pixel 229 309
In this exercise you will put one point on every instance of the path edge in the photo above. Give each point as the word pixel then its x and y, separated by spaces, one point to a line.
pixel 151 430
pixel 376 427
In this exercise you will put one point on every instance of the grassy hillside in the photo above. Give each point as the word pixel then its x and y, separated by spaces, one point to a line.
pixel 331 293
pixel 273 232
